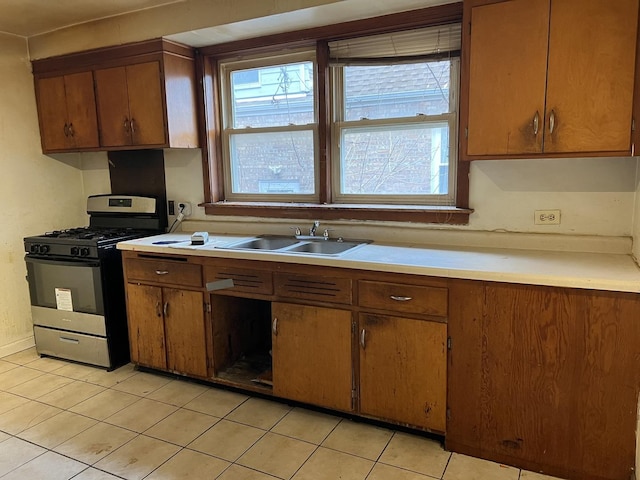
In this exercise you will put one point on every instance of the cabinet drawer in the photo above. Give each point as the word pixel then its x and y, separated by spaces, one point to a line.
pixel 244 279
pixel 326 289
pixel 164 271
pixel 397 297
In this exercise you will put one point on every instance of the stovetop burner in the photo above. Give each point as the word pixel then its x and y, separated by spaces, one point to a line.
pixel 113 219
pixel 95 233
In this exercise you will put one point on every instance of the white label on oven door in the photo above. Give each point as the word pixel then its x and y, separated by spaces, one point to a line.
pixel 63 299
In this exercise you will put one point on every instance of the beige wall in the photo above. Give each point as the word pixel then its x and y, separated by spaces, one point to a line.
pixel 596 197
pixel 37 193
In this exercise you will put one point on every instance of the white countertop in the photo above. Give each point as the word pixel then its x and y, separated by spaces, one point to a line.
pixel 600 271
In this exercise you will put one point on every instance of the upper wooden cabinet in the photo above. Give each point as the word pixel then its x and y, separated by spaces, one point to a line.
pixel 136 96
pixel 67 112
pixel 547 77
pixel 130 105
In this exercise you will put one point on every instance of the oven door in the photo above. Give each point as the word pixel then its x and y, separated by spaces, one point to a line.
pixel 78 282
pixel 66 294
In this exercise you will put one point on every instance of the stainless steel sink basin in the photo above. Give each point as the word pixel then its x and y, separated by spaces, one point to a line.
pixel 324 247
pixel 306 245
pixel 266 242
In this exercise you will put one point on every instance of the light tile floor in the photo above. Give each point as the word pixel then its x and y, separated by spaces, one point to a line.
pixel 60 420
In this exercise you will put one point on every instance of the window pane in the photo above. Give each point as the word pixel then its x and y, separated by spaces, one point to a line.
pixel 394 91
pixel 280 95
pixel 397 160
pixel 272 163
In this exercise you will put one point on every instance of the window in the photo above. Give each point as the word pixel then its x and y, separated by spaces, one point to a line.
pixel 354 128
pixel 395 115
pixel 270 129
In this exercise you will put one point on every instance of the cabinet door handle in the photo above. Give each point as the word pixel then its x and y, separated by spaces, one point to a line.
pixel 66 130
pixel 126 125
pixel 165 309
pixel 552 121
pixel 162 272
pixel 274 326
pixel 133 125
pixel 399 298
pixel 536 123
pixel 71 131
pixel 158 312
pixel 363 338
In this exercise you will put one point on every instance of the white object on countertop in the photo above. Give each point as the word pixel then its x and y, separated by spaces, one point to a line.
pixel 199 238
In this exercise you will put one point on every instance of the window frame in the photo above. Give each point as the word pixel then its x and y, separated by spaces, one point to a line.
pixel 226 67
pixel 339 124
pixel 326 209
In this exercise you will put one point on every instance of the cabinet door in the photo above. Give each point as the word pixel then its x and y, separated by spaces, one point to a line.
pixel 146 104
pixel 312 355
pixel 81 110
pixel 507 77
pixel 113 107
pixel 592 49
pixel 403 370
pixel 146 325
pixel 545 378
pixel 52 109
pixel 185 331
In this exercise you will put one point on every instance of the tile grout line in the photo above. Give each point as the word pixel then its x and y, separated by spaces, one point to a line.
pixel 182 408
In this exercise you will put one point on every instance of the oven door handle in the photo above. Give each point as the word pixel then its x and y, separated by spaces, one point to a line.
pixel 63 263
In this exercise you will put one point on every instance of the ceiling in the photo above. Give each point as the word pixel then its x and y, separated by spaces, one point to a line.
pixel 33 17
pixel 28 18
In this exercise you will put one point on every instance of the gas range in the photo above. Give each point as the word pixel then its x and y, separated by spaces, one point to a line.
pixel 76 281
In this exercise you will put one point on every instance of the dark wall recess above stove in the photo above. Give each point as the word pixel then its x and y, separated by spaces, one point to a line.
pixel 139 172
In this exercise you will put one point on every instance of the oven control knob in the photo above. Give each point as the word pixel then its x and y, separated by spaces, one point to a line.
pixel 43 248
pixel 84 251
pixel 75 251
pixel 34 248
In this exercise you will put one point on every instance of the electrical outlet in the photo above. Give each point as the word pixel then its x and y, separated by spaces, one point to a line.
pixel 546 217
pixel 185 207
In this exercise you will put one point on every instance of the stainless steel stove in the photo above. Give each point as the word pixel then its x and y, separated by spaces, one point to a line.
pixel 76 283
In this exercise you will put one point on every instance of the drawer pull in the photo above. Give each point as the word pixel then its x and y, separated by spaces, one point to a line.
pixel 274 326
pixel 69 340
pixel 162 272
pixel 363 342
pixel 399 298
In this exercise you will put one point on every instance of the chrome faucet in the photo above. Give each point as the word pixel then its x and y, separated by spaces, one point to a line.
pixel 314 227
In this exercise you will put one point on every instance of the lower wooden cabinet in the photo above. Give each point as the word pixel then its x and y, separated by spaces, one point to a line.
pixel 403 370
pixel 541 378
pixel 167 328
pixel 312 355
pixel 544 378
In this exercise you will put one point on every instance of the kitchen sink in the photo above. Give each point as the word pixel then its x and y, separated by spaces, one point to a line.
pixel 266 242
pixel 324 247
pixel 306 245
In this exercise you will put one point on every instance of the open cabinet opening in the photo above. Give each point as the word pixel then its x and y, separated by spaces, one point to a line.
pixel 242 341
